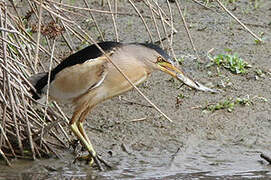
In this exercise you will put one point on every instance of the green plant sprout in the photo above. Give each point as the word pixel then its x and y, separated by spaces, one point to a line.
pixel 230 103
pixel 233 63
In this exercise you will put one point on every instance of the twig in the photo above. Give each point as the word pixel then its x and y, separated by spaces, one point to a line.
pixel 172 31
pixel 202 5
pixel 17 47
pixel 164 28
pixel 94 20
pixel 27 55
pixel 62 34
pixel 54 151
pixel 73 31
pixel 4 156
pixel 66 121
pixel 242 24
pixel 29 39
pixel 114 21
pixel 48 87
pixel 116 7
pixel 38 37
pixel 156 26
pixel 7 140
pixel 124 75
pixel 8 81
pixel 3 98
pixel 9 30
pixel 136 120
pixel 4 106
pixel 49 9
pixel 161 17
pixel 162 11
pixel 104 162
pixel 130 82
pixel 141 17
pixel 93 10
pixel 187 31
pixel 19 120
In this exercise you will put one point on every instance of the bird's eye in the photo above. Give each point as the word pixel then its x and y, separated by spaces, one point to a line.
pixel 159 59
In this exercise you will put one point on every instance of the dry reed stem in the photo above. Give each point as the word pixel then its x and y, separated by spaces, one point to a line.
pixel 266 157
pixel 187 31
pixel 199 3
pixel 22 122
pixel 38 38
pixel 155 23
pixel 141 17
pixel 162 12
pixel 124 75
pixel 108 12
pixel 62 130
pixel 94 20
pixel 164 27
pixel 4 156
pixel 139 119
pixel 93 10
pixel 30 40
pixel 172 31
pixel 17 122
pixel 7 140
pixel 28 126
pixel 47 92
pixel 161 9
pixel 114 21
pixel 131 83
pixel 7 73
pixel 236 19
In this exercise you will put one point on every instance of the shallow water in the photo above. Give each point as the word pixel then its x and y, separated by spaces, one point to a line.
pixel 204 161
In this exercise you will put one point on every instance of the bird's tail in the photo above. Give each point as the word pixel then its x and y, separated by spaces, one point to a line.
pixel 34 81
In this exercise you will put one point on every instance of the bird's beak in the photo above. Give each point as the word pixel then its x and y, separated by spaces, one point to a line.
pixel 170 69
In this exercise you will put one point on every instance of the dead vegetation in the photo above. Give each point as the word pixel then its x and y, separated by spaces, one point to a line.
pixel 30 32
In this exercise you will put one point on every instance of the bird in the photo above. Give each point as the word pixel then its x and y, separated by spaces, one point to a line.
pixel 86 78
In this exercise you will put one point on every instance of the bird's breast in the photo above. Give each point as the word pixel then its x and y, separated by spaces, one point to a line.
pixel 115 83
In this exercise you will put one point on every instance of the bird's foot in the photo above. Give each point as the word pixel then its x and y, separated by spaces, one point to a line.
pixel 90 159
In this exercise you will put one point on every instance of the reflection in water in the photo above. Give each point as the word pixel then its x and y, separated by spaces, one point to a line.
pixel 200 161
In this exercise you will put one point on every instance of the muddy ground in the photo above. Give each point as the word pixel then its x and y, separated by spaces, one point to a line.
pixel 198 143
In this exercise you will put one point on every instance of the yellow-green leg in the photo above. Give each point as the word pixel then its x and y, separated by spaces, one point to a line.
pixel 85 143
pixel 83 137
pixel 80 127
pixel 83 132
pixel 94 156
pixel 80 124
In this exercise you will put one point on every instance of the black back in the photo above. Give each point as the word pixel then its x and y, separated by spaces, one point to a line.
pixel 90 52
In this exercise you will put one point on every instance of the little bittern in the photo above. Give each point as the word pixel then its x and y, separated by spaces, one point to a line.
pixel 87 78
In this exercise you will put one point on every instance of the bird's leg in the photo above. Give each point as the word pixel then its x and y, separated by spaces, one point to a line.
pixel 77 132
pixel 80 127
pixel 80 124
pixel 83 132
pixel 89 147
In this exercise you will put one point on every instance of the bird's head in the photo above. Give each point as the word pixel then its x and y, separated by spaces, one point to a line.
pixel 168 66
pixel 162 61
